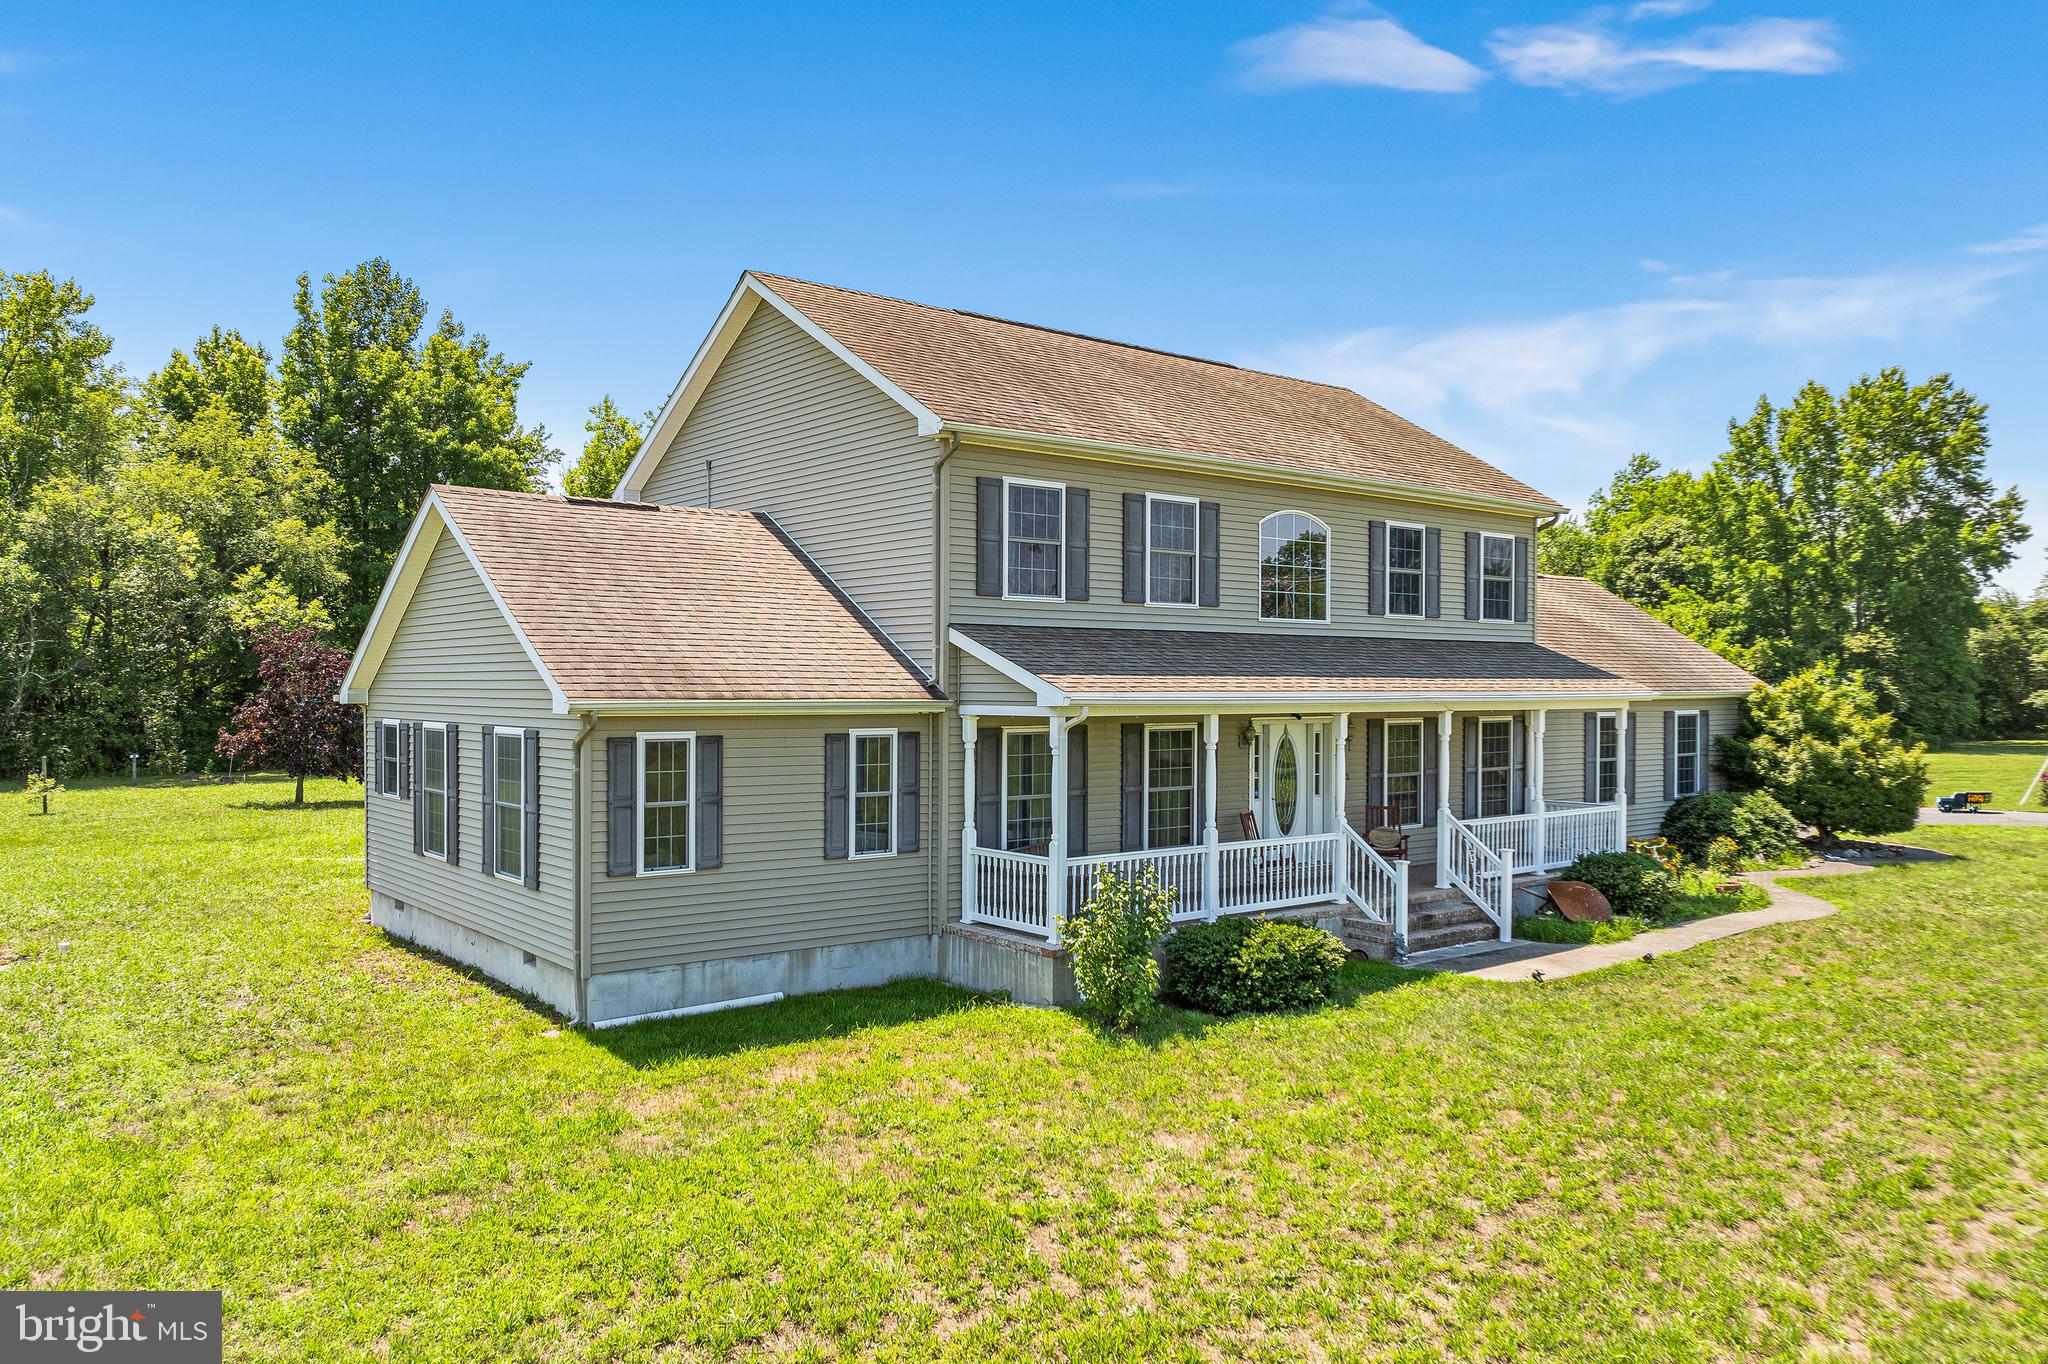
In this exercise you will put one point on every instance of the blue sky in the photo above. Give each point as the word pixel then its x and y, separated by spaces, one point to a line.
pixel 1555 234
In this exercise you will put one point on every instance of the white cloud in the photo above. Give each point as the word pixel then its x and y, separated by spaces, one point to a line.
pixel 1338 51
pixel 1665 9
pixel 2027 239
pixel 1589 55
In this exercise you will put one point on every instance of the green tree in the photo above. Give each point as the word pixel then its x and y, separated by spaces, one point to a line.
pixel 61 402
pixel 613 439
pixel 386 409
pixel 2010 651
pixel 223 370
pixel 1820 745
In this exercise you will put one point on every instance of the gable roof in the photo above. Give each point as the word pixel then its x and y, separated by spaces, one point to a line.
pixel 989 378
pixel 1583 619
pixel 637 603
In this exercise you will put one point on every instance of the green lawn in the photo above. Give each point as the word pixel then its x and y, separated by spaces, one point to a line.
pixel 2003 767
pixel 1821 1141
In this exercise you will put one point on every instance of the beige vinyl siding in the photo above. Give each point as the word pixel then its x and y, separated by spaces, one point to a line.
pixel 977 684
pixel 776 891
pixel 1243 504
pixel 786 427
pixel 454 659
pixel 1646 812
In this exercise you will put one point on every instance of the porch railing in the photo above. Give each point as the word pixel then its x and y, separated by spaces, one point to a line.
pixel 1009 890
pixel 1275 873
pixel 1477 869
pixel 1376 888
pixel 1532 843
pixel 1179 870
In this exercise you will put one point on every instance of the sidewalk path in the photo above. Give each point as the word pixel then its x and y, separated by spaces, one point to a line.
pixel 2025 818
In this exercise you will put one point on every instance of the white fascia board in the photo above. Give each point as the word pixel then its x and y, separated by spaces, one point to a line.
pixel 1251 470
pixel 1042 691
pixel 1156 703
pixel 748 294
pixel 598 706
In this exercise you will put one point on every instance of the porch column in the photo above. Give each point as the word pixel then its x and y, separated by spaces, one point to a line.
pixel 1624 732
pixel 1056 845
pixel 970 727
pixel 1535 805
pixel 1212 857
pixel 1342 876
pixel 1443 797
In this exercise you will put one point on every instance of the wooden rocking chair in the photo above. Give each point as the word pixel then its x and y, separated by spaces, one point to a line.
pixel 1383 834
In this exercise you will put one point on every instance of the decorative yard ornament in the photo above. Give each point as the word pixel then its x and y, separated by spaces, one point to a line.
pixel 1580 902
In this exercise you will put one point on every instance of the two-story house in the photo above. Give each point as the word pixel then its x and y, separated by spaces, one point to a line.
pixel 906 623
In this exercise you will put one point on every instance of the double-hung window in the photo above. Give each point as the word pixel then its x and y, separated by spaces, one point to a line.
pixel 1034 538
pixel 1405 549
pixel 1170 545
pixel 1607 758
pixel 1402 774
pixel 1027 789
pixel 1689 771
pixel 1496 577
pixel 508 804
pixel 1294 567
pixel 1169 786
pixel 387 757
pixel 667 786
pixel 433 791
pixel 1496 766
pixel 873 808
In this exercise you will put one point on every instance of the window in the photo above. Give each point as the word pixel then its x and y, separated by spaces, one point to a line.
pixel 1027 788
pixel 1496 761
pixel 1689 775
pixel 874 793
pixel 508 803
pixel 667 783
pixel 1294 568
pixel 1607 758
pixel 1034 538
pixel 1496 577
pixel 1315 770
pixel 1402 770
pixel 434 789
pixel 1405 548
pixel 387 757
pixel 1169 786
pixel 1170 541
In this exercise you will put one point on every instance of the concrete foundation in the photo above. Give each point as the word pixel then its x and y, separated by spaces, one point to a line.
pixel 987 959
pixel 553 985
pixel 628 994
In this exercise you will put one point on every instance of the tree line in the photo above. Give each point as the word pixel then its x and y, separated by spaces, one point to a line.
pixel 152 530
pixel 1851 533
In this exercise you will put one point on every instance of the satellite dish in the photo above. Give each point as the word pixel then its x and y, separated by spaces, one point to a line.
pixel 1579 902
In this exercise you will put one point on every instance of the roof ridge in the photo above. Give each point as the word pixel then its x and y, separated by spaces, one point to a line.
pixel 573 500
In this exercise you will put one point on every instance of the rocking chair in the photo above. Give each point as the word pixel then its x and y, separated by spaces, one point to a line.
pixel 1384 834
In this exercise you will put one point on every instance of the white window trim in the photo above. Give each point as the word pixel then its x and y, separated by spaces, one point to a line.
pixel 853 738
pixel 1059 592
pixel 1329 568
pixel 518 739
pixel 1387 772
pixel 1479 763
pixel 1699 753
pixel 1003 815
pixel 640 742
pixel 1194 784
pixel 447 783
pixel 1600 719
pixel 1421 574
pixel 397 760
pixel 1485 536
pixel 1194 556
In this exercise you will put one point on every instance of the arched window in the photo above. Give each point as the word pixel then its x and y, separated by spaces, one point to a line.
pixel 1294 567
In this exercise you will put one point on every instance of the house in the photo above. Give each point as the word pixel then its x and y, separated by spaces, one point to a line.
pixel 905 623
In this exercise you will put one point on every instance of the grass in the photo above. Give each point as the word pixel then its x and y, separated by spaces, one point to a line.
pixel 2003 767
pixel 1701 901
pixel 1819 1141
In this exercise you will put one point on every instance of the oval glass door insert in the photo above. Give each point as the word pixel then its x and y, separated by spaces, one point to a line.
pixel 1286 774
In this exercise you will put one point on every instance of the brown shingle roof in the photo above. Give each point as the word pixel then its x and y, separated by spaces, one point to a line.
pixel 1590 623
pixel 630 601
pixel 973 370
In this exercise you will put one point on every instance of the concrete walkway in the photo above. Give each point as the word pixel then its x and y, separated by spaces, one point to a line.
pixel 1518 960
pixel 2010 818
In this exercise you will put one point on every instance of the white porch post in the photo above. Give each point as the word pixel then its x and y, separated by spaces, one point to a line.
pixel 1343 871
pixel 1536 806
pixel 1443 798
pixel 969 838
pixel 1624 727
pixel 1212 857
pixel 1056 846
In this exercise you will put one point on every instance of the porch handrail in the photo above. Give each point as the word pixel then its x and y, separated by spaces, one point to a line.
pixel 1180 869
pixel 1377 887
pixel 1009 890
pixel 1537 842
pixel 1479 871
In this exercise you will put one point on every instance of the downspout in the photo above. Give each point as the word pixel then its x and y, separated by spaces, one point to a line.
pixel 936 884
pixel 579 852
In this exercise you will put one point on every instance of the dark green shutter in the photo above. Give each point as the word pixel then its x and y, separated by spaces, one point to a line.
pixel 1430 775
pixel 1628 777
pixel 530 794
pixel 621 801
pixel 1209 517
pixel 1134 548
pixel 1593 755
pixel 452 765
pixel 1521 577
pixel 419 787
pixel 1432 572
pixel 1472 565
pixel 1670 755
pixel 1132 823
pixel 1471 757
pixel 1077 791
pixel 1077 544
pixel 988 537
pixel 489 802
pixel 909 791
pixel 710 802
pixel 1376 568
pixel 1376 762
pixel 837 794
pixel 988 789
pixel 1517 736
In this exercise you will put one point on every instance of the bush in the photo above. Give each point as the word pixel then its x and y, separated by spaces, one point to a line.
pixel 1694 822
pixel 1818 743
pixel 1558 930
pixel 1250 965
pixel 1763 828
pixel 1724 856
pixel 1109 942
pixel 1634 884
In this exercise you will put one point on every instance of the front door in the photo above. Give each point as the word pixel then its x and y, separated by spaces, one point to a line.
pixel 1294 781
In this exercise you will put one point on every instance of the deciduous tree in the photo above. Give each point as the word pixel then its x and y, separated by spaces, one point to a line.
pixel 293 721
pixel 1819 743
pixel 613 439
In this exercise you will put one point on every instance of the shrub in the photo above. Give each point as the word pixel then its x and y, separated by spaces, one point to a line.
pixel 1694 822
pixel 1634 883
pixel 1763 828
pixel 1109 942
pixel 1818 742
pixel 1250 965
pixel 1724 856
